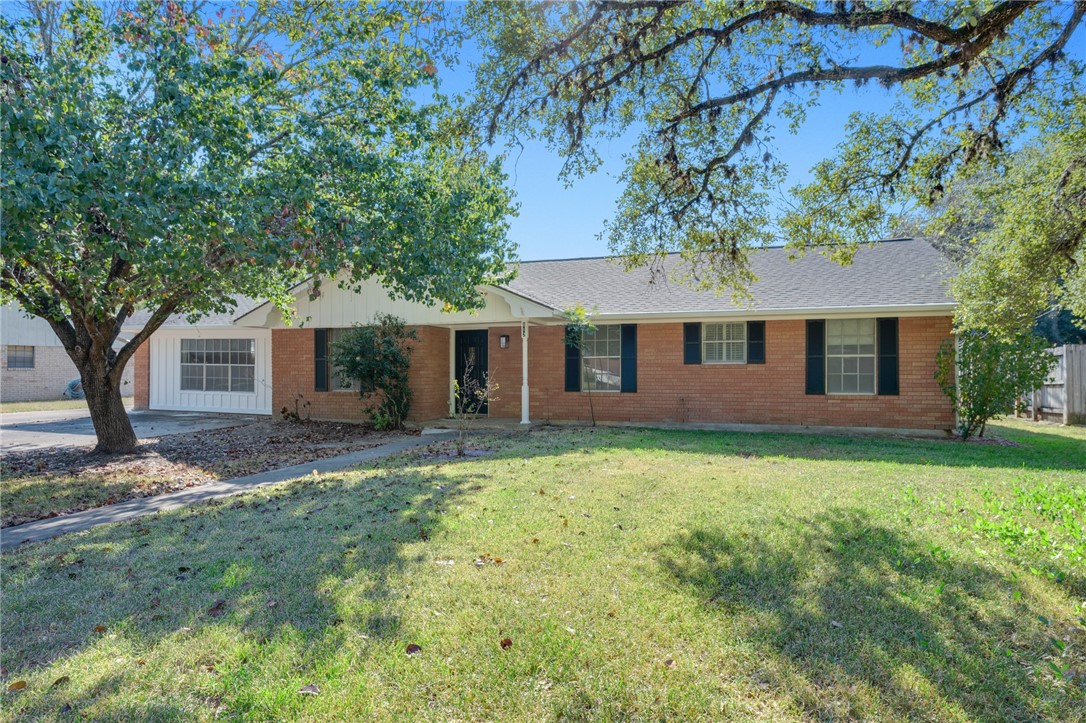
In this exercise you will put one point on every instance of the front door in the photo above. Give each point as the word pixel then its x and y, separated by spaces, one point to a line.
pixel 471 368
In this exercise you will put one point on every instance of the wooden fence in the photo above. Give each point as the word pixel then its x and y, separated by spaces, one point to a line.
pixel 1063 396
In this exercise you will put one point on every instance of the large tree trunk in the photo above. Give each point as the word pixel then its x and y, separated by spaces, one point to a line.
pixel 110 418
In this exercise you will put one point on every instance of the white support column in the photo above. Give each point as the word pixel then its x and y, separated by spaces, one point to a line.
pixel 452 372
pixel 524 373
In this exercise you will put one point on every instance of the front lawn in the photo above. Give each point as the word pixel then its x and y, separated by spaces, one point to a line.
pixel 605 574
pixel 48 405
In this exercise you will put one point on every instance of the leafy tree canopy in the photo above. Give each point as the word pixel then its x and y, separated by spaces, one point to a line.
pixel 167 155
pixel 705 86
pixel 1033 257
pixel 1017 227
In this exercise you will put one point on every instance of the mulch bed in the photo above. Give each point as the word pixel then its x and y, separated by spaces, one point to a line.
pixel 175 462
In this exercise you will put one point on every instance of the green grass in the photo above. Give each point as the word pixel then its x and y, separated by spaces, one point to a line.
pixel 644 575
pixel 49 405
pixel 38 497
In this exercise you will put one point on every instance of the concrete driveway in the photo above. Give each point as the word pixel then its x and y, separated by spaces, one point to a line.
pixel 42 430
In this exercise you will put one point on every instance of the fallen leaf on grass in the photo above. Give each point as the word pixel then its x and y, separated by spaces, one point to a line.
pixel 217 609
pixel 99 628
pixel 270 604
pixel 412 648
pixel 17 685
pixel 310 689
pixel 141 661
pixel 507 643
pixel 60 681
pixel 836 624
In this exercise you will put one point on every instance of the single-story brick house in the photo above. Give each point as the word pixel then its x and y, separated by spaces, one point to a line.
pixel 818 344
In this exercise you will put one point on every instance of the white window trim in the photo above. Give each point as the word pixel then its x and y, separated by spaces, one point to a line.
pixel 584 386
pixel 204 366
pixel 725 341
pixel 875 356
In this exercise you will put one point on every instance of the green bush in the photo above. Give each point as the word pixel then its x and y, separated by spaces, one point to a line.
pixel 378 356
pixel 984 375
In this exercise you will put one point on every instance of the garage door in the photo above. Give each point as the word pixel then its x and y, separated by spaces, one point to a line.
pixel 203 370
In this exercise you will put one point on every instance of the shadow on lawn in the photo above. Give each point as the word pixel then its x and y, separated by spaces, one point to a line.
pixel 282 563
pixel 844 601
pixel 1028 450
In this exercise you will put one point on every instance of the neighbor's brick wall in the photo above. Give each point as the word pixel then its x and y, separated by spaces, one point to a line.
pixel 52 371
pixel 292 372
pixel 770 393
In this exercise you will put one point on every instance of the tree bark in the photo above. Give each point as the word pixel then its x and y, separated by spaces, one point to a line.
pixel 110 418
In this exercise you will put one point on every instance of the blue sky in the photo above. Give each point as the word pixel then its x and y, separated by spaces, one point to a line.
pixel 560 222
pixel 557 221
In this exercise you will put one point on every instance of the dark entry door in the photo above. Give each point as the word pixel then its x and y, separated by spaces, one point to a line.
pixel 471 360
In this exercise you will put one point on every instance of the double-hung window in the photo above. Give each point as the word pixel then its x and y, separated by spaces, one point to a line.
pixel 218 365
pixel 724 343
pixel 340 383
pixel 850 356
pixel 601 359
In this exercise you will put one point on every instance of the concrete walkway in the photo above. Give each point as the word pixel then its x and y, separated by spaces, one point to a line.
pixel 130 510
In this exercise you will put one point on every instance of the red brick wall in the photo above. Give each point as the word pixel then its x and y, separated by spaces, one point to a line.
pixel 292 372
pixel 668 390
pixel 770 393
pixel 141 376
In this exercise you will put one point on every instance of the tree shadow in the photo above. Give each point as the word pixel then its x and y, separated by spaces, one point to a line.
pixel 850 605
pixel 1019 449
pixel 276 565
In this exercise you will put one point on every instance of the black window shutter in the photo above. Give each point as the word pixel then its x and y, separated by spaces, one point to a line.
pixel 888 357
pixel 755 342
pixel 816 356
pixel 573 368
pixel 320 360
pixel 629 357
pixel 692 343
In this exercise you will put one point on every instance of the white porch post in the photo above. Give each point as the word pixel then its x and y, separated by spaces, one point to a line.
pixel 524 373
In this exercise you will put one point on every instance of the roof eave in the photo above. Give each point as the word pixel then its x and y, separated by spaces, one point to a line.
pixel 931 309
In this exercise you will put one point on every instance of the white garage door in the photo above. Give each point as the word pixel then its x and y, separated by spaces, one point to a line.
pixel 204 370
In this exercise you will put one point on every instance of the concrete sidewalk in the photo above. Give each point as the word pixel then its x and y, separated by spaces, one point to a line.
pixel 122 511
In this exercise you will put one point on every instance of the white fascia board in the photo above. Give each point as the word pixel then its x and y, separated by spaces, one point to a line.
pixel 830 312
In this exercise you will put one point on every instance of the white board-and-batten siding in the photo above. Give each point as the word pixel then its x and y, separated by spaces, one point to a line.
pixel 165 372
pixel 337 307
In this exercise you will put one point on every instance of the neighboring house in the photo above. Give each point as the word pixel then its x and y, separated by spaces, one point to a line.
pixel 33 363
pixel 819 344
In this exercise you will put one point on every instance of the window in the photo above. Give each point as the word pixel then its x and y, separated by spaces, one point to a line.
pixel 850 356
pixel 724 343
pixel 218 365
pixel 601 359
pixel 20 357
pixel 340 383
